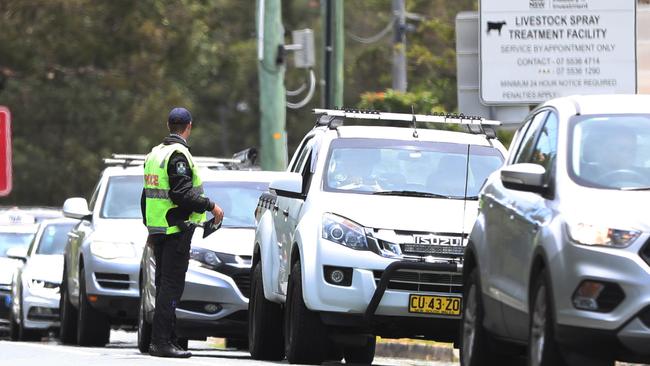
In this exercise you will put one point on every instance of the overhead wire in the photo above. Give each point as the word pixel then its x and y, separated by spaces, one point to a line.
pixel 376 37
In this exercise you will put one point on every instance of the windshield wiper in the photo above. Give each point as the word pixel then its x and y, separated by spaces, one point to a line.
pixel 411 194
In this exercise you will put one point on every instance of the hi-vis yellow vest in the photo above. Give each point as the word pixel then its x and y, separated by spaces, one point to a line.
pixel 156 189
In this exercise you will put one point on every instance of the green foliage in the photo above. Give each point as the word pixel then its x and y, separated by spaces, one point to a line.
pixel 393 101
pixel 85 78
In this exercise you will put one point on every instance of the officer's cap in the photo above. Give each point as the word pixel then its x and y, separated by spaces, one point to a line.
pixel 179 116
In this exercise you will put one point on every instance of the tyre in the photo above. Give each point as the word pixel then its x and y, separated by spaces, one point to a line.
pixel 237 343
pixel 305 337
pixel 25 334
pixel 264 323
pixel 68 315
pixel 361 355
pixel 13 327
pixel 542 348
pixel 93 328
pixel 476 345
pixel 144 327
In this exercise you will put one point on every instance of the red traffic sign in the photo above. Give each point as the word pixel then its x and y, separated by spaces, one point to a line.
pixel 5 151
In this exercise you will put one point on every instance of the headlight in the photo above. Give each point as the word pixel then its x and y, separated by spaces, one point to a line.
pixel 36 285
pixel 212 260
pixel 587 234
pixel 112 250
pixel 343 231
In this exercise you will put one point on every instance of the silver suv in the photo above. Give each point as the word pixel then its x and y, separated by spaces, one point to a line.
pixel 559 258
pixel 102 259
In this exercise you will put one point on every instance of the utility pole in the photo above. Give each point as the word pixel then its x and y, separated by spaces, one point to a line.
pixel 334 48
pixel 270 36
pixel 399 46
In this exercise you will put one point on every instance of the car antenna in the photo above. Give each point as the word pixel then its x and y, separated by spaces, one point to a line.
pixel 415 128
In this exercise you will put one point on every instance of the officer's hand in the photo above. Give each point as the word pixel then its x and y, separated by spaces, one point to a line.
pixel 217 212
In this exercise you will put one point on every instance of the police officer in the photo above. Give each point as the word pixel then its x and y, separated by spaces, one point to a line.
pixel 172 202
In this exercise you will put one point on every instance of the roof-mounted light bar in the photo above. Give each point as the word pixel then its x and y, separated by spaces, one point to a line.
pixel 450 118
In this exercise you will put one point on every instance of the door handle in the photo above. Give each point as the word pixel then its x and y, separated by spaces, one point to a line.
pixel 275 207
pixel 285 212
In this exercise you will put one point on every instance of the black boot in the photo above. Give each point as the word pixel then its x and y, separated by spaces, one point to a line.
pixel 167 350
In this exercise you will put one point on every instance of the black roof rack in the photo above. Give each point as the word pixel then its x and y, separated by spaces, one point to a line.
pixel 244 159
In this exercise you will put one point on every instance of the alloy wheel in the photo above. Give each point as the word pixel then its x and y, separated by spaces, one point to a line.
pixel 469 323
pixel 538 330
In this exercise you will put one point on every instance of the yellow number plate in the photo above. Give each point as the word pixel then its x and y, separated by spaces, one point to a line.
pixel 441 305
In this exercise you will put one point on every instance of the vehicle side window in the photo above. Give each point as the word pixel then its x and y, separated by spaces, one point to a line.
pixel 307 173
pixel 528 140
pixel 514 144
pixel 545 149
pixel 302 156
pixel 93 198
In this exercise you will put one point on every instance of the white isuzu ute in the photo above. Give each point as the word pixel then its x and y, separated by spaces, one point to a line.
pixel 363 236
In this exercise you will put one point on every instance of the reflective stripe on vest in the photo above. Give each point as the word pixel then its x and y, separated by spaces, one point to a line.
pixel 156 189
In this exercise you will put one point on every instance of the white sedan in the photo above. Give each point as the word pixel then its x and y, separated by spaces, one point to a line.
pixel 36 285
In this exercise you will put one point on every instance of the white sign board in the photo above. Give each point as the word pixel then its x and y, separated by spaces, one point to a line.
pixel 535 50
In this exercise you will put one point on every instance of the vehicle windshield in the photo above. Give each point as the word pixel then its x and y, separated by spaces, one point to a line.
pixel 122 200
pixel 611 151
pixel 10 240
pixel 54 238
pixel 424 168
pixel 237 199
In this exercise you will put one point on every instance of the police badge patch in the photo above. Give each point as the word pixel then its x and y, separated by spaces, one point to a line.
pixel 181 168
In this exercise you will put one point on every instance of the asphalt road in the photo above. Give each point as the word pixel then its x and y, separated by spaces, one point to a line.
pixel 123 351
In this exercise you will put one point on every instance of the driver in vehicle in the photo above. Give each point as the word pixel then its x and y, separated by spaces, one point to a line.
pixel 353 170
pixel 609 156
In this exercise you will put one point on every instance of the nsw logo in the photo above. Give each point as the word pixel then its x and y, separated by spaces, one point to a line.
pixel 537 4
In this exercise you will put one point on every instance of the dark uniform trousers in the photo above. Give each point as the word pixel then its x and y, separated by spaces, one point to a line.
pixel 172 254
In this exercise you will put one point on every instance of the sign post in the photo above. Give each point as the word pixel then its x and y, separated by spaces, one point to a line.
pixel 535 50
pixel 5 152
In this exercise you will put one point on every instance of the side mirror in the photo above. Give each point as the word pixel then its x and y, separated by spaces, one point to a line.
pixel 17 253
pixel 524 177
pixel 288 185
pixel 76 208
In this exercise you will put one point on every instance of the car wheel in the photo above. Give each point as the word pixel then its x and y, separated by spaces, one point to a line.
pixel 68 315
pixel 361 355
pixel 93 328
pixel 264 322
pixel 542 348
pixel 13 327
pixel 305 337
pixel 476 345
pixel 237 343
pixel 25 334
pixel 144 327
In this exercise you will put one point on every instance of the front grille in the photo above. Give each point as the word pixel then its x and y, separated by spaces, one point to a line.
pixel 243 281
pixel 116 281
pixel 645 316
pixel 420 281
